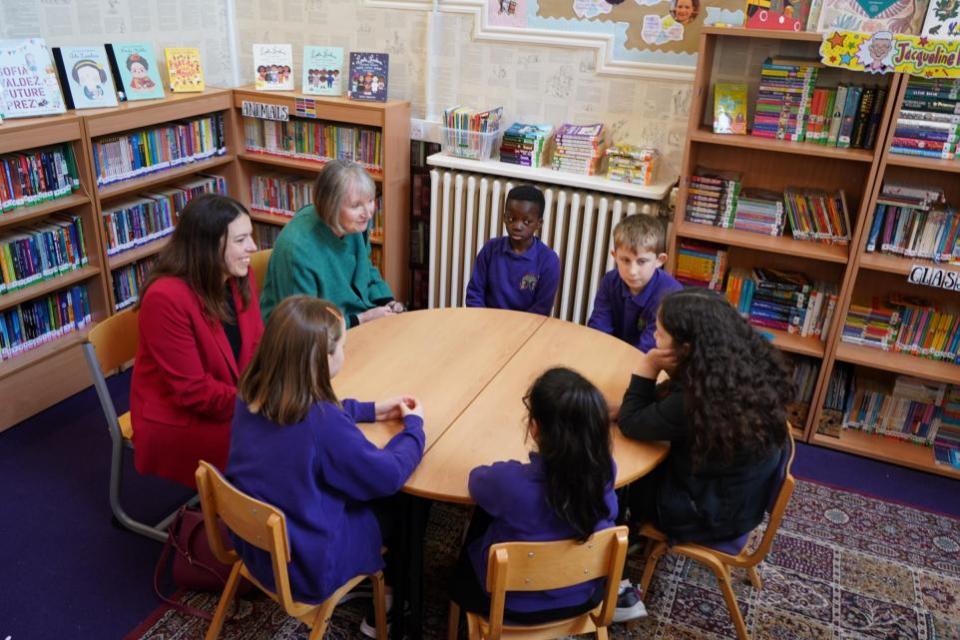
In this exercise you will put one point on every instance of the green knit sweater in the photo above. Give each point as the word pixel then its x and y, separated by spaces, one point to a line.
pixel 310 259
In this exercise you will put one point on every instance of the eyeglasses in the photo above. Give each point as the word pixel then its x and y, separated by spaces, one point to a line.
pixel 526 222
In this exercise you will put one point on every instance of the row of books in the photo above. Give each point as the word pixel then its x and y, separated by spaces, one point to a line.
pixel 131 155
pixel 472 134
pixel 912 410
pixel 128 281
pixel 460 118
pixel 914 222
pixel 783 98
pixel 31 177
pixel 44 319
pixel 629 163
pixel 701 265
pixel 314 140
pixel 904 325
pixel 847 116
pixel 928 124
pixel 376 257
pixel 804 376
pixel 153 214
pixel 946 444
pixel 266 234
pixel 580 148
pixel 782 300
pixel 526 144
pixel 280 194
pixel 36 252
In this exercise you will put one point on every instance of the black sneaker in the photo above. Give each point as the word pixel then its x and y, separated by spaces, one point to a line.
pixel 362 590
pixel 368 626
pixel 629 604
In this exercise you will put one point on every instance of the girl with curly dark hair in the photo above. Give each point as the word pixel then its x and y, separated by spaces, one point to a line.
pixel 722 411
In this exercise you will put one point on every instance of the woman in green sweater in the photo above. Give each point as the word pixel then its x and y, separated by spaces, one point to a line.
pixel 324 251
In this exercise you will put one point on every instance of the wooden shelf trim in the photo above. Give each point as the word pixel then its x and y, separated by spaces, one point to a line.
pixel 259 215
pixel 132 255
pixel 706 136
pixel 162 177
pixel 803 345
pixel 927 164
pixel 887 449
pixel 23 214
pixel 302 164
pixel 29 358
pixel 43 287
pixel 759 242
pixel 764 34
pixel 901 363
pixel 899 265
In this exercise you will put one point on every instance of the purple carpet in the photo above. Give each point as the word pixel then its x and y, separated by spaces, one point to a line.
pixel 68 573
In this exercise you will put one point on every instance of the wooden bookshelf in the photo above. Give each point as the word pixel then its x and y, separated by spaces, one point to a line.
pixel 142 114
pixel 42 376
pixel 885 448
pixel 392 118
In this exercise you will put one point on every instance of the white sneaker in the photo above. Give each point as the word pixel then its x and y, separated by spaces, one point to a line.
pixel 629 604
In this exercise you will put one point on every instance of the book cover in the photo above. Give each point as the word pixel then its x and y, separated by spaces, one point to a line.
pixel 777 15
pixel 942 20
pixel 136 66
pixel 273 67
pixel 28 79
pixel 368 76
pixel 184 71
pixel 85 73
pixel 730 108
pixel 873 16
pixel 322 71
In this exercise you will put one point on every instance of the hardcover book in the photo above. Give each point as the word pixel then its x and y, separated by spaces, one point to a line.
pixel 273 67
pixel 368 76
pixel 85 73
pixel 873 16
pixel 184 72
pixel 135 70
pixel 28 79
pixel 322 71
pixel 730 108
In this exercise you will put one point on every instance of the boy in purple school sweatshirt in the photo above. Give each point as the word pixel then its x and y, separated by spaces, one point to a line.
pixel 517 271
pixel 628 297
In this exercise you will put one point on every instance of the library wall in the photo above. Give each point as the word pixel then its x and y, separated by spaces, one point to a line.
pixel 535 83
pixel 163 23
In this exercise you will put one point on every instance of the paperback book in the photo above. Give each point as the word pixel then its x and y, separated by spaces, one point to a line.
pixel 273 67
pixel 323 71
pixel 184 71
pixel 368 76
pixel 135 70
pixel 730 108
pixel 28 79
pixel 85 73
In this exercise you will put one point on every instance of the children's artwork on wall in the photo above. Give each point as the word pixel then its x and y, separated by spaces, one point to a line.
pixel 273 67
pixel 507 13
pixel 873 16
pixel 28 79
pixel 943 19
pixel 137 67
pixel 322 71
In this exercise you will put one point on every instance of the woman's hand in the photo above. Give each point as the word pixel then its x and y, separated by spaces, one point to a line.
pixel 390 409
pixel 396 306
pixel 374 314
pixel 411 407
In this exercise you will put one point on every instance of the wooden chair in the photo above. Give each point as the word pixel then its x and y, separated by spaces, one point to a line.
pixel 265 527
pixel 721 556
pixel 258 263
pixel 535 566
pixel 111 344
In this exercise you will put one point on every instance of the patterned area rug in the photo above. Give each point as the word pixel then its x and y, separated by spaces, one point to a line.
pixel 843 566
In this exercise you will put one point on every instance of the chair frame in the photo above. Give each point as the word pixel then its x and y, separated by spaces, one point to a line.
pixel 259 262
pixel 110 345
pixel 536 566
pixel 719 562
pixel 265 526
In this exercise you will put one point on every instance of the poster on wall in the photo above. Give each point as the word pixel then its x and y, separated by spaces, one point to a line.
pixel 507 13
pixel 887 52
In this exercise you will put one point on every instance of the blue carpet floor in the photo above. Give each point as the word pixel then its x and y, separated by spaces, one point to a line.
pixel 67 572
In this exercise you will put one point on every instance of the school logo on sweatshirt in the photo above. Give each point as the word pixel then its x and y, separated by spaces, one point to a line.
pixel 641 324
pixel 529 281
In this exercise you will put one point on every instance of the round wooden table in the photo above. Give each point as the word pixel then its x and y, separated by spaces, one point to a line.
pixel 470 368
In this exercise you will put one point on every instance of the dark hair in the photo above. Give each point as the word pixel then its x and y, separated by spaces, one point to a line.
pixel 734 382
pixel 528 193
pixel 195 252
pixel 88 63
pixel 573 434
pixel 290 372
pixel 136 58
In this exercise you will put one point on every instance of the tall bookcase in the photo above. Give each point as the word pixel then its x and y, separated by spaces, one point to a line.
pixel 777 164
pixel 391 119
pixel 134 116
pixel 44 375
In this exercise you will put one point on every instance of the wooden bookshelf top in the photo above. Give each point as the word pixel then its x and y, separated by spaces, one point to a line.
pixel 760 242
pixel 248 91
pixel 740 32
pixel 899 265
pixel 928 164
pixel 898 363
pixel 886 448
pixel 144 113
pixel 298 164
pixel 705 135
pixel 23 214
pixel 19 134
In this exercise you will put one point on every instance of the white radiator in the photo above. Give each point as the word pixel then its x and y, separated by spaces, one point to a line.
pixel 466 210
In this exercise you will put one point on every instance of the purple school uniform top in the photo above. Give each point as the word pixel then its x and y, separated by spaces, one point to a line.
pixel 515 496
pixel 320 472
pixel 503 279
pixel 632 318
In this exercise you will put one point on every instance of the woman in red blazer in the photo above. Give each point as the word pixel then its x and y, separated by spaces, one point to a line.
pixel 199 327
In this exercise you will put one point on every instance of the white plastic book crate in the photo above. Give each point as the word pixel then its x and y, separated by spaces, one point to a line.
pixel 474 145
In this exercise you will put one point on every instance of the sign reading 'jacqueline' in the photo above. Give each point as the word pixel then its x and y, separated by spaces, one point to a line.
pixel 934 277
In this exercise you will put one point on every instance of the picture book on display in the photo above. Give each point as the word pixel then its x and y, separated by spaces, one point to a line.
pixel 730 108
pixel 135 70
pixel 28 79
pixel 273 67
pixel 85 74
pixel 873 16
pixel 368 76
pixel 322 71
pixel 777 15
pixel 184 72
pixel 943 19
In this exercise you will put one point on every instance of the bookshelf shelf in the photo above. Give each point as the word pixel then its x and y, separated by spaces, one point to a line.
pixel 704 135
pixel 28 359
pixel 138 253
pixel 24 214
pixel 898 363
pixel 740 32
pixel 886 448
pixel 899 265
pixel 760 242
pixel 12 299
pixel 803 345
pixel 392 118
pixel 927 164
pixel 130 187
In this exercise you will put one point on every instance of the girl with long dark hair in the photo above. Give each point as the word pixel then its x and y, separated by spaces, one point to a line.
pixel 722 411
pixel 565 491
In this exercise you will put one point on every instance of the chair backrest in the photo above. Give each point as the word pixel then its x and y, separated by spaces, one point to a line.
pixel 256 522
pixel 114 340
pixel 258 263
pixel 780 494
pixel 535 566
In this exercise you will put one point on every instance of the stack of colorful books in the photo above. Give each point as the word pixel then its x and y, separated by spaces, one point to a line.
pixel 913 222
pixel 946 444
pixel 817 215
pixel 629 163
pixel 784 97
pixel 911 411
pixel 907 326
pixel 712 197
pixel 701 265
pixel 760 211
pixel 526 144
pixel 846 116
pixel 928 124
pixel 580 148
pixel 871 323
pixel 782 300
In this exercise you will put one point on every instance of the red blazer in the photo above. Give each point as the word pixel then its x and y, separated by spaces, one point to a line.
pixel 185 377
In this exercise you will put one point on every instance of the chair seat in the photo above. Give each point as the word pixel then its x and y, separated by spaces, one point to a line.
pixel 126 426
pixel 730 547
